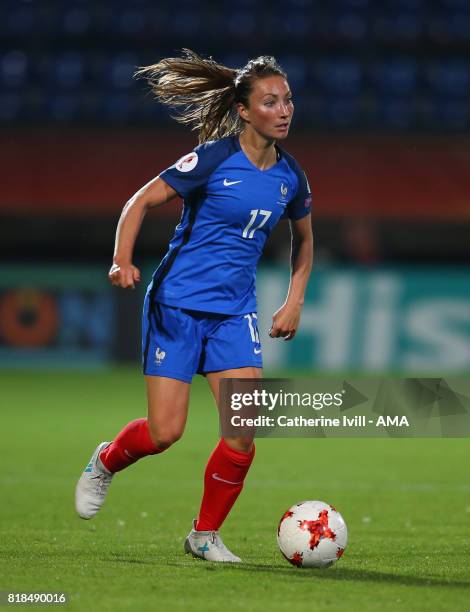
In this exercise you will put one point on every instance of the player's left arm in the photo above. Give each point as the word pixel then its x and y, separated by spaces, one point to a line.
pixel 286 320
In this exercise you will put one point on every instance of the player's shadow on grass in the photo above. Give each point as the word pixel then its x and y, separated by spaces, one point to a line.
pixel 131 560
pixel 341 574
pixel 352 575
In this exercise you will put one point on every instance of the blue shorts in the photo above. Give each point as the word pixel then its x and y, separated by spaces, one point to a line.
pixel 178 343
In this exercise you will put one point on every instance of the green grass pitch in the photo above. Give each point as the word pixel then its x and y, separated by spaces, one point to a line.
pixel 406 503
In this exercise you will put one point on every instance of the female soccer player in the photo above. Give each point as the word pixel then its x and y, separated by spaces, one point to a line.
pixel 200 308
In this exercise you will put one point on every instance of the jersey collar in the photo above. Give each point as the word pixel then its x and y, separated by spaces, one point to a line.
pixel 236 142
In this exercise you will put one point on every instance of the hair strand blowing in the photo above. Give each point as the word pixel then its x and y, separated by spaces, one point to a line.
pixel 205 93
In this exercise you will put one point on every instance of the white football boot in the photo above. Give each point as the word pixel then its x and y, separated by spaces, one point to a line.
pixel 93 485
pixel 208 545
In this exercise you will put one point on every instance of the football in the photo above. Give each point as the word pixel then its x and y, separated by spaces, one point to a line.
pixel 312 534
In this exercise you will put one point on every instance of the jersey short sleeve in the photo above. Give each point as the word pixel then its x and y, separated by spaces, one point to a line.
pixel 192 171
pixel 301 203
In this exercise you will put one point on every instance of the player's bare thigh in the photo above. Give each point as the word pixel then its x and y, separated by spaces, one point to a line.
pixel 243 444
pixel 168 401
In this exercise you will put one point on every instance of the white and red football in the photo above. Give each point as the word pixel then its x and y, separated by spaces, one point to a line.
pixel 312 534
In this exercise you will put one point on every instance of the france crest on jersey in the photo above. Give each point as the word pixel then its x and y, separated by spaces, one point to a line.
pixel 230 208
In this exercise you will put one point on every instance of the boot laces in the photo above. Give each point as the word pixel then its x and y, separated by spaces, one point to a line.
pixel 103 482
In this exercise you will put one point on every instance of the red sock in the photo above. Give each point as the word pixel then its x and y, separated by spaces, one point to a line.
pixel 131 444
pixel 223 482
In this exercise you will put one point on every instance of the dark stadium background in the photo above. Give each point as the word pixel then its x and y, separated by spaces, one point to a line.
pixel 382 128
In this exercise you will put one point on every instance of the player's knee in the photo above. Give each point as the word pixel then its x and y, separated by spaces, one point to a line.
pixel 242 444
pixel 164 437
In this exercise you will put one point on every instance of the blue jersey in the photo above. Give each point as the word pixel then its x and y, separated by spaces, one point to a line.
pixel 230 208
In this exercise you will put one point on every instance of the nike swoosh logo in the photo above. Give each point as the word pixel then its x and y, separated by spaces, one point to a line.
pixel 256 351
pixel 215 476
pixel 228 183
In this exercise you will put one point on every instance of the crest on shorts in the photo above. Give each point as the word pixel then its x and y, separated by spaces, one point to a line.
pixel 159 356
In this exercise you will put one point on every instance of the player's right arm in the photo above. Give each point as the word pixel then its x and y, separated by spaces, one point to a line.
pixel 156 192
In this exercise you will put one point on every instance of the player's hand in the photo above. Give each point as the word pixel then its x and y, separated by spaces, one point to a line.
pixel 125 276
pixel 285 322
